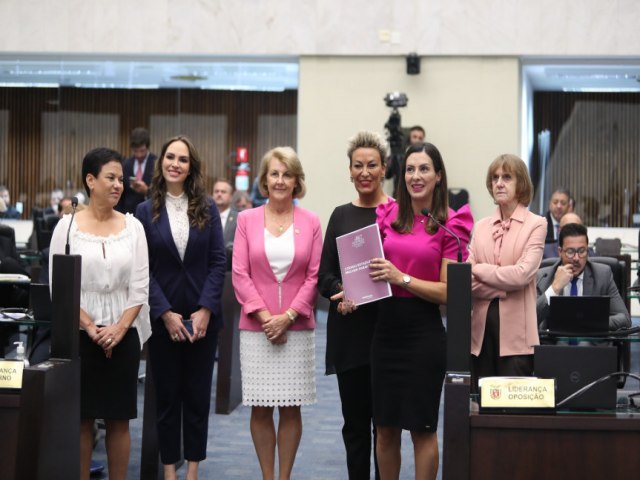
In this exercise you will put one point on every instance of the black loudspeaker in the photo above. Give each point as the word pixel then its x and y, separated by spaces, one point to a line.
pixel 413 64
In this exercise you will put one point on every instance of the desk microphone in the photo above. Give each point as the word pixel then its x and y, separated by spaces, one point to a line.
pixel 74 204
pixel 427 213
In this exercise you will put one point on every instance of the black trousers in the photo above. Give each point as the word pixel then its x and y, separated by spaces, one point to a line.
pixel 489 362
pixel 182 373
pixel 355 395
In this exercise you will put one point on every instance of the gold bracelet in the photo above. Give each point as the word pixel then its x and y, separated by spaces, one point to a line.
pixel 292 317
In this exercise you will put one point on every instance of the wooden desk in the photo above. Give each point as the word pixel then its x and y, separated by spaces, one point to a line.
pixel 523 447
pixel 554 446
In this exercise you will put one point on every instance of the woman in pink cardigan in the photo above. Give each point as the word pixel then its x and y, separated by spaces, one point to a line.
pixel 276 256
pixel 505 254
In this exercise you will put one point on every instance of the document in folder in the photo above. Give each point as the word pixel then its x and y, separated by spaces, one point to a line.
pixel 355 251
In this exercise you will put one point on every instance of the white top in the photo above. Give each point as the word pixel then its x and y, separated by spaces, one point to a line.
pixel 224 216
pixel 178 220
pixel 114 274
pixel 280 251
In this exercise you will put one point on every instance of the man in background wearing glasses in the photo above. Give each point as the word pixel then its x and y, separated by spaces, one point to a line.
pixel 573 274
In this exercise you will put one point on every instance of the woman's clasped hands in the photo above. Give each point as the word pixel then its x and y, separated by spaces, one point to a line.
pixel 192 330
pixel 275 328
pixel 107 336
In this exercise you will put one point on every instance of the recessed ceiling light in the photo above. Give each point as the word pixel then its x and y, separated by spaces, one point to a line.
pixel 189 78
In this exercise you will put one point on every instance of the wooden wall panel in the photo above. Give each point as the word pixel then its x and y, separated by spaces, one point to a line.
pixel 4 145
pixel 48 131
pixel 595 152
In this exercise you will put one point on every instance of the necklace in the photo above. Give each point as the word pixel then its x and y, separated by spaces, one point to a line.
pixel 281 221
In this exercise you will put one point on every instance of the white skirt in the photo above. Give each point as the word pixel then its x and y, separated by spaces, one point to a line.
pixel 278 375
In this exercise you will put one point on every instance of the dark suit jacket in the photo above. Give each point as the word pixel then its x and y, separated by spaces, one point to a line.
pixel 229 234
pixel 551 234
pixel 130 199
pixel 183 286
pixel 597 280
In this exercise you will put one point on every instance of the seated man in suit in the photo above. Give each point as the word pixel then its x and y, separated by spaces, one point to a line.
pixel 6 209
pixel 574 274
pixel 558 206
pixel 551 249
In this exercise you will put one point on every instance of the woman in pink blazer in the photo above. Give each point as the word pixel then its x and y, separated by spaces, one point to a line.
pixel 505 254
pixel 276 255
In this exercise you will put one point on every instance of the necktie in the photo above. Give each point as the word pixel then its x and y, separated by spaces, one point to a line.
pixel 557 227
pixel 139 172
pixel 574 287
pixel 574 293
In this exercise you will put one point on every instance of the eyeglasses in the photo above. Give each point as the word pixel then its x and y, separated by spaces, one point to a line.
pixel 571 252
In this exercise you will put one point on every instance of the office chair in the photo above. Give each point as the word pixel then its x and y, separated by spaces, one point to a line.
pixel 608 247
pixel 8 243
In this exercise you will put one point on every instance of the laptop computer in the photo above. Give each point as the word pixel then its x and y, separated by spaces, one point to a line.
pixel 40 302
pixel 581 315
pixel 573 367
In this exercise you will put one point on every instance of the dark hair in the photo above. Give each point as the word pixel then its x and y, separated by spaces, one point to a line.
pixel 227 181
pixel 515 166
pixel 95 160
pixel 562 191
pixel 572 230
pixel 199 201
pixel 418 128
pixel 139 137
pixel 440 202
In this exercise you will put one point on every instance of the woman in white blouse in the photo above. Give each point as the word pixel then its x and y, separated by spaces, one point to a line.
pixel 187 267
pixel 114 315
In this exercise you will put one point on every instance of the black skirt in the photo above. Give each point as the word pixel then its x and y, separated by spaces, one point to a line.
pixel 408 361
pixel 109 386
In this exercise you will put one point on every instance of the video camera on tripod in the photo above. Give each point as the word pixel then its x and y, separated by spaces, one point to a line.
pixel 395 136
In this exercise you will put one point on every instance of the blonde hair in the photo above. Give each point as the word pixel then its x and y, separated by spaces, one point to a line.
pixel 366 139
pixel 289 157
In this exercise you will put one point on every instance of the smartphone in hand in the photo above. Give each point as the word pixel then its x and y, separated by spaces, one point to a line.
pixel 188 324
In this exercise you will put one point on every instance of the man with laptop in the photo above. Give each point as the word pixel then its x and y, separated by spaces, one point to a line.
pixel 575 275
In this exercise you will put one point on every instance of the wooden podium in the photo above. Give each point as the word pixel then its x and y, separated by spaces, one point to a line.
pixel 41 423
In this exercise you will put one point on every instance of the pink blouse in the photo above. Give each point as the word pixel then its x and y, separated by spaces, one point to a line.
pixel 419 253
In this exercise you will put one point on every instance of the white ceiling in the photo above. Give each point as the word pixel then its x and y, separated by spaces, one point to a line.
pixel 220 73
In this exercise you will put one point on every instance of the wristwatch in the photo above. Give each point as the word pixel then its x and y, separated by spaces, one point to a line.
pixel 406 279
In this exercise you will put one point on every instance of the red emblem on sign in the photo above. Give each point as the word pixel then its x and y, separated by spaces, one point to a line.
pixel 495 393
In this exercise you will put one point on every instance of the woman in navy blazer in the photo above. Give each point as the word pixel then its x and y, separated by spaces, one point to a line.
pixel 187 268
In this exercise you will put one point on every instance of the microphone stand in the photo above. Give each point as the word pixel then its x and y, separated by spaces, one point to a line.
pixel 74 204
pixel 427 214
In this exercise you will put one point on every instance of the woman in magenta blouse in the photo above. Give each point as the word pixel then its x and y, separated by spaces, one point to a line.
pixel 408 349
